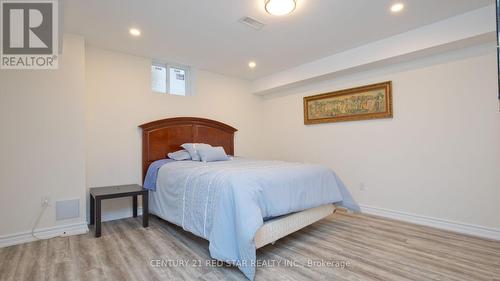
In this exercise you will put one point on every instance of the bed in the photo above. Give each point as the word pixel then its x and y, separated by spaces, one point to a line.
pixel 238 205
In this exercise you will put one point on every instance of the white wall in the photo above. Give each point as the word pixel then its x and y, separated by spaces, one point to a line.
pixel 438 157
pixel 119 98
pixel 42 146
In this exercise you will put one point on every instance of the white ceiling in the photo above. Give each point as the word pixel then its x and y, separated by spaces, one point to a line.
pixel 206 33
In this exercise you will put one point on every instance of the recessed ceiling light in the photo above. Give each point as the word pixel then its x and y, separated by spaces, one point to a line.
pixel 398 7
pixel 280 7
pixel 134 32
pixel 252 64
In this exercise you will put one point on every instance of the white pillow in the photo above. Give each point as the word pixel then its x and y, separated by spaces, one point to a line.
pixel 179 155
pixel 212 154
pixel 192 148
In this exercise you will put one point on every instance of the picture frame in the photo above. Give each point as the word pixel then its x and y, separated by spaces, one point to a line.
pixel 360 103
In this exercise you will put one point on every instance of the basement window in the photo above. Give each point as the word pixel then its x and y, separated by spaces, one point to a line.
pixel 171 79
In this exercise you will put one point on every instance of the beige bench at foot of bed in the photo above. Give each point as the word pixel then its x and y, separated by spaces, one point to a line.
pixel 280 227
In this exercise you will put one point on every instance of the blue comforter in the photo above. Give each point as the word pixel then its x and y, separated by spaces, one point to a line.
pixel 227 202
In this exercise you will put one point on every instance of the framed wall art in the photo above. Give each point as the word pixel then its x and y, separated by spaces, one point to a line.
pixel 361 103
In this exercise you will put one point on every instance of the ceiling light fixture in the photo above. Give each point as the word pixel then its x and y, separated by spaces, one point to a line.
pixel 252 64
pixel 280 7
pixel 134 32
pixel 398 7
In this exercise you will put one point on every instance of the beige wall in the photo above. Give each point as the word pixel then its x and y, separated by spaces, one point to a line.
pixel 119 98
pixel 438 157
pixel 42 146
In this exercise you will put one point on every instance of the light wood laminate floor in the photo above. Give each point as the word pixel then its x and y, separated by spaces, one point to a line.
pixel 373 248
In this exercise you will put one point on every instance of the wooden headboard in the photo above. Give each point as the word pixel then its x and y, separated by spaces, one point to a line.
pixel 164 136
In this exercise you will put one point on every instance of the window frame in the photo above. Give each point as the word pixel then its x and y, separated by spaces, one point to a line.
pixel 187 77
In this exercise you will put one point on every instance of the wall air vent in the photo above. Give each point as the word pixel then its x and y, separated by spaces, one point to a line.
pixel 253 23
pixel 67 209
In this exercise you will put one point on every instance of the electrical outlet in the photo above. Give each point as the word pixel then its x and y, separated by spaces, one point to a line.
pixel 362 186
pixel 45 201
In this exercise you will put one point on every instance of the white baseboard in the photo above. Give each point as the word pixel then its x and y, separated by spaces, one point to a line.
pixel 119 214
pixel 470 229
pixel 43 233
pixel 62 230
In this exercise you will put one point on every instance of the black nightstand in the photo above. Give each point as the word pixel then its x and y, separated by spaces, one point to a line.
pixel 100 193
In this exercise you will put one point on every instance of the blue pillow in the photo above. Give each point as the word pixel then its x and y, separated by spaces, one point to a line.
pixel 210 154
pixel 179 155
pixel 192 148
